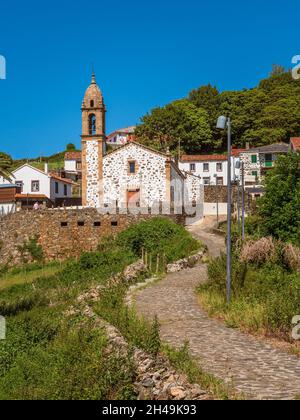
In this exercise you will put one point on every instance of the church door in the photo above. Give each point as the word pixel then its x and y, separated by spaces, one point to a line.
pixel 133 198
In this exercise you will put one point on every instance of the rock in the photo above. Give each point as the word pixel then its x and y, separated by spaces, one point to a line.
pixel 148 383
pixel 177 392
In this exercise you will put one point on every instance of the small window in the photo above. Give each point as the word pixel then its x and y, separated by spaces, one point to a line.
pixel 206 167
pixel 97 224
pixel 220 181
pixel 92 104
pixel 114 223
pixel 35 186
pixel 254 159
pixel 65 190
pixel 219 167
pixel 206 181
pixel 255 173
pixel 64 224
pixel 80 224
pixel 20 184
pixel 192 167
pixel 132 167
pixel 56 188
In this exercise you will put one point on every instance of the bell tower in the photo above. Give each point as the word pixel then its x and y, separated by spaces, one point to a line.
pixel 93 140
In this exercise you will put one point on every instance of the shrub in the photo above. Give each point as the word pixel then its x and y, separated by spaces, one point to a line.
pixel 291 257
pixel 259 252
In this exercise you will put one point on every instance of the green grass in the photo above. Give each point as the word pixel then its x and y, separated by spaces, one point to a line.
pixel 264 299
pixel 49 355
pixel 184 363
pixel 10 279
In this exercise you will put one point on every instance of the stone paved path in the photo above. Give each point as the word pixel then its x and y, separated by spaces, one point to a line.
pixel 256 369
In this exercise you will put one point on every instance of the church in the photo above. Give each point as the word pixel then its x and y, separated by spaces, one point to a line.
pixel 132 175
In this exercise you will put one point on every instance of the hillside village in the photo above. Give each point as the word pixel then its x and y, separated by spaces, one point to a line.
pixel 117 252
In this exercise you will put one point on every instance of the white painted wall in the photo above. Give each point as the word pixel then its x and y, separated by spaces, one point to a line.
pixel 27 174
pixel 7 208
pixel 61 191
pixel 210 209
pixel 71 166
pixel 186 166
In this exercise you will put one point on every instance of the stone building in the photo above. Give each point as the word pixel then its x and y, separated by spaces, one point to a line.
pixel 132 175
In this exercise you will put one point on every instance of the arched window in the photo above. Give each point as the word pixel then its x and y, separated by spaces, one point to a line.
pixel 92 104
pixel 92 124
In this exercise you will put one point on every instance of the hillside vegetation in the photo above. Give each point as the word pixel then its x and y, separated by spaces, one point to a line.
pixel 263 115
pixel 53 350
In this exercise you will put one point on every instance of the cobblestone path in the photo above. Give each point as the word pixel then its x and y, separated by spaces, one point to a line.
pixel 254 368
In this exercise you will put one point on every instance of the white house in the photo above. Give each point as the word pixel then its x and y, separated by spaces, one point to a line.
pixel 212 169
pixel 35 183
pixel 73 165
pixel 120 137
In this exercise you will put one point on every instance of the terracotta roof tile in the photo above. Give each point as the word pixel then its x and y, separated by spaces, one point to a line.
pixel 73 156
pixel 296 143
pixel 203 158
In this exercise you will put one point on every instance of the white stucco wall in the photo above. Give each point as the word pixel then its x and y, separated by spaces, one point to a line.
pixel 27 174
pixel 70 165
pixel 7 208
pixel 60 193
pixel 210 209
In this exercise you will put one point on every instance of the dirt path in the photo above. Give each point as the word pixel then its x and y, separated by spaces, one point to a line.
pixel 253 367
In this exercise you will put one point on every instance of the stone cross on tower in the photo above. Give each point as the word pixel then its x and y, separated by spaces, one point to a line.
pixel 93 145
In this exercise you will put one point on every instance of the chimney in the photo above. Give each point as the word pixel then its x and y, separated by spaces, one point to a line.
pixel 248 145
pixel 46 168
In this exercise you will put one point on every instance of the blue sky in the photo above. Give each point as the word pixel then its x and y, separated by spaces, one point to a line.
pixel 145 54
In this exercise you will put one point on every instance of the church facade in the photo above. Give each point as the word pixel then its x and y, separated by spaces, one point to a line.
pixel 132 175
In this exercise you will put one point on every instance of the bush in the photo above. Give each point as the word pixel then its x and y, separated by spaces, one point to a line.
pixel 158 236
pixel 291 257
pixel 259 252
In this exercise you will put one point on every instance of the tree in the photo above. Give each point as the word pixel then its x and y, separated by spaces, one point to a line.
pixel 71 147
pixel 280 206
pixel 5 166
pixel 179 122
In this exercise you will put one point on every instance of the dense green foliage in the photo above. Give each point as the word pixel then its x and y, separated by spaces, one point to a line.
pixel 280 207
pixel 159 236
pixel 267 114
pixel 5 165
pixel 53 351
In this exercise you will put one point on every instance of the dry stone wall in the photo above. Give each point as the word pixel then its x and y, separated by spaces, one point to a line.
pixel 62 234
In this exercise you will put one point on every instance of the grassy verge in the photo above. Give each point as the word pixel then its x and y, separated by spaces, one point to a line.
pixel 265 299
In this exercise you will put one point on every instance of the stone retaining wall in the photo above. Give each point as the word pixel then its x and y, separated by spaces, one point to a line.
pixel 62 233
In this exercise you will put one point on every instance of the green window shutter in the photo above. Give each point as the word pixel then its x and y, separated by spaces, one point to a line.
pixel 255 173
pixel 254 159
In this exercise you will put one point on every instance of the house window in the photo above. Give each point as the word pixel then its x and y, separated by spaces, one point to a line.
pixel 65 190
pixel 192 167
pixel 269 160
pixel 20 184
pixel 206 167
pixel 206 181
pixel 35 186
pixel 254 159
pixel 255 173
pixel 219 167
pixel 92 124
pixel 56 188
pixel 132 167
pixel 220 181
pixel 78 166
